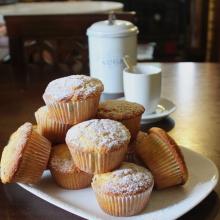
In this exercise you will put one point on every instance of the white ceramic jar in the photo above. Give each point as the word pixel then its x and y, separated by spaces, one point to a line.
pixel 109 41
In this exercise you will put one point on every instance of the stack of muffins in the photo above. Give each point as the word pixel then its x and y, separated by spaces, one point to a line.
pixel 85 143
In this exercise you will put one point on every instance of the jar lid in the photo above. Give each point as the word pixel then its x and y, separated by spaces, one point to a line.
pixel 112 28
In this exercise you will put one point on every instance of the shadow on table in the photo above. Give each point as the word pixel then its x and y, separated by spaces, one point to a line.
pixel 207 209
pixel 167 124
pixel 17 203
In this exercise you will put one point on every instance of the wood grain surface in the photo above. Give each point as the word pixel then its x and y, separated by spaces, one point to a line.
pixel 193 87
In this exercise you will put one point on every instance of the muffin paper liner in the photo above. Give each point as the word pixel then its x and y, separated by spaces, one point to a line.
pixel 98 162
pixel 34 159
pixel 51 129
pixel 71 180
pixel 131 155
pixel 133 125
pixel 74 112
pixel 163 164
pixel 123 205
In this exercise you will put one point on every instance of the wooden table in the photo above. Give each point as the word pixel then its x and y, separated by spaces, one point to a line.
pixel 194 88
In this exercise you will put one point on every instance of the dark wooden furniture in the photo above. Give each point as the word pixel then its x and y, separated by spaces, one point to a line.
pixel 61 39
pixel 194 88
pixel 178 27
pixel 215 52
pixel 3 42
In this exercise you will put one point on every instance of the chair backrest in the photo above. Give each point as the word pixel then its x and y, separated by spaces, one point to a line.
pixel 57 25
pixel 55 39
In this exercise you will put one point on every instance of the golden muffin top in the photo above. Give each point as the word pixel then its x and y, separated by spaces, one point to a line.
pixel 119 109
pixel 128 179
pixel 61 159
pixel 12 153
pixel 98 135
pixel 43 110
pixel 74 87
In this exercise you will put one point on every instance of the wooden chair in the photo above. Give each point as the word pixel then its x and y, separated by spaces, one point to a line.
pixel 59 39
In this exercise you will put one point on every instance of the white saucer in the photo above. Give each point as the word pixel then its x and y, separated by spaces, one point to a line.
pixel 164 108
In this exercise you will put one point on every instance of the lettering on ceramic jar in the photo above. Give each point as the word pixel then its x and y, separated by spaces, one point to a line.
pixel 112 61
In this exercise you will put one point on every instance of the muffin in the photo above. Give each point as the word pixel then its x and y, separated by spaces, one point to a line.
pixel 163 157
pixel 128 113
pixel 125 191
pixel 64 171
pixel 131 155
pixel 25 157
pixel 73 99
pixel 98 145
pixel 53 130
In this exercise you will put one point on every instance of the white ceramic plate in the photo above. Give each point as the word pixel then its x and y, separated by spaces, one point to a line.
pixel 166 204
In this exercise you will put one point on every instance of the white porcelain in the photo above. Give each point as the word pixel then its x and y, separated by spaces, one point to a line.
pixel 118 28
pixel 108 44
pixel 143 85
pixel 164 204
pixel 164 108
pixel 54 8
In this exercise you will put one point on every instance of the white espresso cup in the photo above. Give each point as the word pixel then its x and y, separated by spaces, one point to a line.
pixel 142 84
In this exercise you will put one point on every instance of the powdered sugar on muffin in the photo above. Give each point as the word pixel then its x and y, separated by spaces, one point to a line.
pixel 62 164
pixel 74 87
pixel 128 179
pixel 99 133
